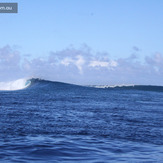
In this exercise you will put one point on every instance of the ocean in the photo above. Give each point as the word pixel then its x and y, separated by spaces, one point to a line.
pixel 50 122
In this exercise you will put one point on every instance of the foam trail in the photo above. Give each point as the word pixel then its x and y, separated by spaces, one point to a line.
pixel 112 86
pixel 15 85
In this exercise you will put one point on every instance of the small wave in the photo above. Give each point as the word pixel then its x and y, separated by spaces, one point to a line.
pixel 112 86
pixel 130 87
pixel 14 85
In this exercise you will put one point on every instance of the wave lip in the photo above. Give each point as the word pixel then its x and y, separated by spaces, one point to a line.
pixel 14 85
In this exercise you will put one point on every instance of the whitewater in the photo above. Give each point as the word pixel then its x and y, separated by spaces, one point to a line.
pixel 46 121
pixel 15 85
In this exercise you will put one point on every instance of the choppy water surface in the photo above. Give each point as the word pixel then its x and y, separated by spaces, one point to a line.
pixel 57 122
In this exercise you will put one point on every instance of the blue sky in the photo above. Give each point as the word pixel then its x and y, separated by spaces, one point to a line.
pixel 119 28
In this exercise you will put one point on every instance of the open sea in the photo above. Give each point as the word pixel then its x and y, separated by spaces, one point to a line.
pixel 57 122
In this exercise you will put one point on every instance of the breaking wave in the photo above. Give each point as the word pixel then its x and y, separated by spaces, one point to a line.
pixel 41 83
pixel 15 85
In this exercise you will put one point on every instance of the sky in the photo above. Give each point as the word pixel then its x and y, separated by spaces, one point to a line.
pixel 83 42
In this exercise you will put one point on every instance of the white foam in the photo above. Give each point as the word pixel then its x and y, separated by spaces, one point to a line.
pixel 14 85
pixel 112 86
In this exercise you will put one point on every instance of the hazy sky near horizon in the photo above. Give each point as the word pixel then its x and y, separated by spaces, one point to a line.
pixel 95 36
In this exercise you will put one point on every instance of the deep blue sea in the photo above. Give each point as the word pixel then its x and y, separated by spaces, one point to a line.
pixel 57 122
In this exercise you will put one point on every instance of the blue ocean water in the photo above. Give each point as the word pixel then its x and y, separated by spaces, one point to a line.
pixel 58 122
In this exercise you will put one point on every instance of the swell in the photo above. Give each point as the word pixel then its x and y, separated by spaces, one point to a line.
pixel 42 83
pixel 36 83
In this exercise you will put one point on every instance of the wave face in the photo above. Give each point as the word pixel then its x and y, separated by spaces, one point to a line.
pixel 15 85
pixel 40 83
pixel 58 122
pixel 36 83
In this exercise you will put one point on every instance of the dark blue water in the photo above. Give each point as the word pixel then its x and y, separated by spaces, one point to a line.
pixel 57 122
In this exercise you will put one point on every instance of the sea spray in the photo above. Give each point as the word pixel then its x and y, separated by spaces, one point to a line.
pixel 15 85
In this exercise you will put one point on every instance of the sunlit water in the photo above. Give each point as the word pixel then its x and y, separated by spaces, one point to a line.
pixel 56 122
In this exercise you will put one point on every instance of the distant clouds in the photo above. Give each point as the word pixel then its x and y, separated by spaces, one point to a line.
pixel 107 64
pixel 78 61
pixel 82 66
pixel 9 63
pixel 136 48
